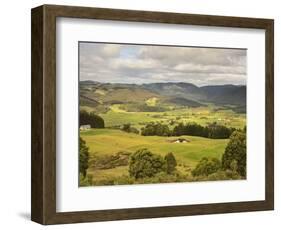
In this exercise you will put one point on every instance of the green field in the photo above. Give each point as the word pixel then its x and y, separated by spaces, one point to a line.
pixel 201 115
pixel 109 142
pixel 137 106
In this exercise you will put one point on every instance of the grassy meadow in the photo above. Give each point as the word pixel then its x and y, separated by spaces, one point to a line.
pixel 109 142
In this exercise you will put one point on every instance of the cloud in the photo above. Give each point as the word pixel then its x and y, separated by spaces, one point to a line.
pixel 144 64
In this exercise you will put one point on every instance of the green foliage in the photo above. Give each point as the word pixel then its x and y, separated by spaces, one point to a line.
pixel 171 163
pixel 91 118
pixel 111 161
pixel 235 153
pixel 86 180
pixel 143 163
pixel 234 165
pixel 192 129
pixel 155 129
pixel 219 175
pixel 206 166
pixel 83 157
pixel 219 131
pixel 126 127
pixel 161 177
pixel 213 130
pixel 129 129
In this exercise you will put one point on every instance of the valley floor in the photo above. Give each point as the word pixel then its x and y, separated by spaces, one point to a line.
pixel 109 142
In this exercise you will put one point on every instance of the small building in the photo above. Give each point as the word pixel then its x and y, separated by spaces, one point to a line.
pixel 179 140
pixel 85 127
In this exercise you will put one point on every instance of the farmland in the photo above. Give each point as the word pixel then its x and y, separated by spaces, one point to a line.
pixel 110 142
pixel 201 115
pixel 110 147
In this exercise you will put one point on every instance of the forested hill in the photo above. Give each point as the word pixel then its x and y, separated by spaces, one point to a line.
pixel 178 93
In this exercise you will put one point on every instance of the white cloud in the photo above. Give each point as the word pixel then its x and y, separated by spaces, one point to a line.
pixel 143 64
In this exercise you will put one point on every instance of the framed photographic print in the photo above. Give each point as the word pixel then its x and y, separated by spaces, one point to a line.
pixel 140 114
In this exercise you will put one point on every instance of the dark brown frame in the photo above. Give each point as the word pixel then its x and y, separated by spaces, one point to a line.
pixel 43 188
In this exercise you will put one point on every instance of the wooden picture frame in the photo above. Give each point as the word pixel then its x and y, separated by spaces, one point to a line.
pixel 43 207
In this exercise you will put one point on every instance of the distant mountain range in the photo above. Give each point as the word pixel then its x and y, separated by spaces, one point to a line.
pixel 179 93
pixel 218 94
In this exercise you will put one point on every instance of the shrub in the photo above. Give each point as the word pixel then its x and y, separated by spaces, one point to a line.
pixel 234 156
pixel 171 163
pixel 83 157
pixel 124 179
pixel 111 161
pixel 163 177
pixel 143 164
pixel 206 166
pixel 86 180
pixel 129 129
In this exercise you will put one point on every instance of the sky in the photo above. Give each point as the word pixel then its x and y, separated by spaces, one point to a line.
pixel 138 64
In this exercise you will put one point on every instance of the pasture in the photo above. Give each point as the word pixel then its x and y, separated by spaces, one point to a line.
pixel 110 141
pixel 201 115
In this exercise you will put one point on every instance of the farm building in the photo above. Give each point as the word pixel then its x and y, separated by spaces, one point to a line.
pixel 179 140
pixel 85 127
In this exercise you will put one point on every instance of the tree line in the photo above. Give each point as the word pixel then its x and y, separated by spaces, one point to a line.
pixel 91 119
pixel 213 130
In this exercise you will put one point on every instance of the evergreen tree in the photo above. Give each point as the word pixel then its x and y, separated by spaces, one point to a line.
pixel 83 157
pixel 235 151
pixel 171 163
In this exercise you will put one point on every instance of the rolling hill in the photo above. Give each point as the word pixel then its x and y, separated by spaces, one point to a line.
pixel 178 93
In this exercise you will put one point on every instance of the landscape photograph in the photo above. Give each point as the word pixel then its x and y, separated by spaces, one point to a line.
pixel 161 114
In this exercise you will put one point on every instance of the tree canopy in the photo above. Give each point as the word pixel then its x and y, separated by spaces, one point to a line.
pixel 83 157
pixel 235 153
pixel 155 129
pixel 91 118
pixel 213 130
pixel 171 163
pixel 143 164
pixel 206 166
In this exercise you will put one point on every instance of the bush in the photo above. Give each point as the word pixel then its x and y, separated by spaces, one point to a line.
pixel 171 163
pixel 83 157
pixel 86 180
pixel 219 175
pixel 234 156
pixel 163 177
pixel 155 129
pixel 111 161
pixel 124 179
pixel 129 129
pixel 143 164
pixel 91 118
pixel 206 166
